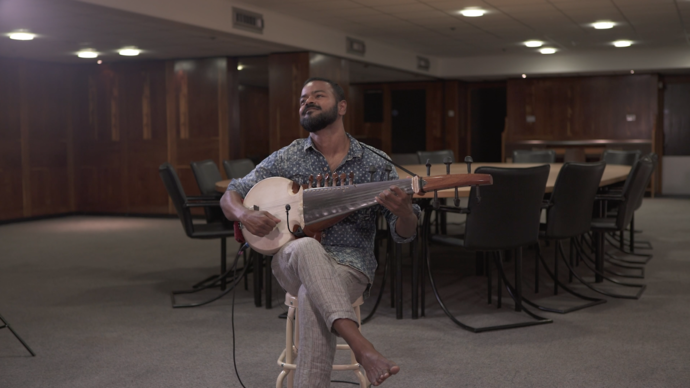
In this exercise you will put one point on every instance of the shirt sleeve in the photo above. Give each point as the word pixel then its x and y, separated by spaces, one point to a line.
pixel 393 219
pixel 269 167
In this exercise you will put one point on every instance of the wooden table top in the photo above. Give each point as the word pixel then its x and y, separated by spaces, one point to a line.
pixel 612 174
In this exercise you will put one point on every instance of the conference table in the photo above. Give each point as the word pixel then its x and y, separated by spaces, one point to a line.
pixel 612 174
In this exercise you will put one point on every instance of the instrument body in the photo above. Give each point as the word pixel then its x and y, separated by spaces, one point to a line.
pixel 312 210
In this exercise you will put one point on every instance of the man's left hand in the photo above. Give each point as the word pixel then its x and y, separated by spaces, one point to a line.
pixel 395 200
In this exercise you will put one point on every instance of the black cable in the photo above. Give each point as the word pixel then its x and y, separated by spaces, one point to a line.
pixel 232 315
pixel 344 382
pixel 386 159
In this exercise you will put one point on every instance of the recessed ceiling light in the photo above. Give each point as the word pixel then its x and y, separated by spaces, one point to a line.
pixel 547 50
pixel 87 53
pixel 524 76
pixel 472 12
pixel 603 25
pixel 22 36
pixel 240 67
pixel 534 43
pixel 99 62
pixel 129 51
pixel 622 43
pixel 632 71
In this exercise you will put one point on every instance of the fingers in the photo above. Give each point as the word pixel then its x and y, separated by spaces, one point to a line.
pixel 272 217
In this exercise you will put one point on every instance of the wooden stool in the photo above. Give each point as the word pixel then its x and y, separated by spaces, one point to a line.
pixel 286 359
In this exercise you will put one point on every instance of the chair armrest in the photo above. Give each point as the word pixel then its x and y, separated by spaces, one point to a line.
pixel 609 197
pixel 202 202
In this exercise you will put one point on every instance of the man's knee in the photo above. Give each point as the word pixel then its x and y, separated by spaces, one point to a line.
pixel 303 245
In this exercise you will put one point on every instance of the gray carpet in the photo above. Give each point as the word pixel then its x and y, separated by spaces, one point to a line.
pixel 91 297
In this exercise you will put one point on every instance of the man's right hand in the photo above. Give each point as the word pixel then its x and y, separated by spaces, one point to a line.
pixel 259 223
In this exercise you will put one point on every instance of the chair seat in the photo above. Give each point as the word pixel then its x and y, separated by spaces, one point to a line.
pixel 604 224
pixel 212 230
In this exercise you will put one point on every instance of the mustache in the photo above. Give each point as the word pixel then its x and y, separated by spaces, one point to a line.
pixel 312 105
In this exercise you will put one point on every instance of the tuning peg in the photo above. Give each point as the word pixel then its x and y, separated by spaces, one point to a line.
pixel 319 178
pixel 428 167
pixel 327 180
pixel 468 160
pixel 372 171
pixel 352 177
pixel 448 161
pixel 311 181
pixel 388 169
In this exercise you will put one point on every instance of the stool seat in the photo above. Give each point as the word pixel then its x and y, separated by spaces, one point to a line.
pixel 286 359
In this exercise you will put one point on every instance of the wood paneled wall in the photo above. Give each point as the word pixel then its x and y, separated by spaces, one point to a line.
pixel 582 108
pixel 436 114
pixel 91 138
pixel 254 122
pixel 36 139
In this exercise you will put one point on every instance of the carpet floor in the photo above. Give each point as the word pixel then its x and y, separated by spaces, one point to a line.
pixel 91 296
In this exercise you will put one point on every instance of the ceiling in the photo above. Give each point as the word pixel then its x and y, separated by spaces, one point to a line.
pixel 64 27
pixel 434 27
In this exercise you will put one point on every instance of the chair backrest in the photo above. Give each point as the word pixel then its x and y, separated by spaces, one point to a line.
pixel 633 191
pixel 235 169
pixel 507 216
pixel 534 156
pixel 655 162
pixel 435 156
pixel 207 174
pixel 570 214
pixel 575 155
pixel 176 192
pixel 403 159
pixel 624 158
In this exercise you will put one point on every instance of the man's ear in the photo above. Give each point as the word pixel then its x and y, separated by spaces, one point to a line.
pixel 342 107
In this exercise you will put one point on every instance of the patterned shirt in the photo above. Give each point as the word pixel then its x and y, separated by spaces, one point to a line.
pixel 350 241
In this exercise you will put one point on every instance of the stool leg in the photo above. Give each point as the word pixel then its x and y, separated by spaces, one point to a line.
pixel 290 333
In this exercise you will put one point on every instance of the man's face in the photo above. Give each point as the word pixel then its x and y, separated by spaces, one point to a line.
pixel 318 108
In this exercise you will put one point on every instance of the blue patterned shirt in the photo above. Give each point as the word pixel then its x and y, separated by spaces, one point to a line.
pixel 350 241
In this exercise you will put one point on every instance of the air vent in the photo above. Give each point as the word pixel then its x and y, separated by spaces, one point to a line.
pixel 423 63
pixel 356 46
pixel 246 20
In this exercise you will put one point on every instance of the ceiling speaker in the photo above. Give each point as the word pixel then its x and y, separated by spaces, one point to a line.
pixel 356 46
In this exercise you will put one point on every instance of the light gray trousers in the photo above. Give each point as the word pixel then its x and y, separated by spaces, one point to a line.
pixel 325 292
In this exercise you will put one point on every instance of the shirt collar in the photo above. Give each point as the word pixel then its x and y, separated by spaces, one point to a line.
pixel 356 149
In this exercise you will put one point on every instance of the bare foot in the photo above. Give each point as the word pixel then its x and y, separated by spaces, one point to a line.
pixel 378 368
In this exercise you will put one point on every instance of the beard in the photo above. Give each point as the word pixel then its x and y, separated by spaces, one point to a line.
pixel 315 121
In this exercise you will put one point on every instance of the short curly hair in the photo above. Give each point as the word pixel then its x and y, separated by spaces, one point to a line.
pixel 339 92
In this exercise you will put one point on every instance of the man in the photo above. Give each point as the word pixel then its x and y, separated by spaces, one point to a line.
pixel 327 277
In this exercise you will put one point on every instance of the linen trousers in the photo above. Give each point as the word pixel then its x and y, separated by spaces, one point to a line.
pixel 325 292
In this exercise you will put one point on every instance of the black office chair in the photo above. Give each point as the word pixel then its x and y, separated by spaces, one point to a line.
pixel 435 156
pixel 632 244
pixel 237 168
pixel 624 158
pixel 569 215
pixel 403 159
pixel 206 174
pixel 506 218
pixel 536 156
pixel 633 189
pixel 214 230
pixel 6 325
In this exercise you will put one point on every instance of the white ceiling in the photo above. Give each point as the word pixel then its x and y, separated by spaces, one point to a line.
pixel 434 27
pixel 64 27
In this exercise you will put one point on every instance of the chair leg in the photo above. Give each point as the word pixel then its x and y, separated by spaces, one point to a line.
pixel 642 287
pixel 383 288
pixel 452 317
pixel 268 282
pixel 559 252
pixel 258 270
pixel 488 279
pixel 415 279
pixel 230 272
pixel 6 324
